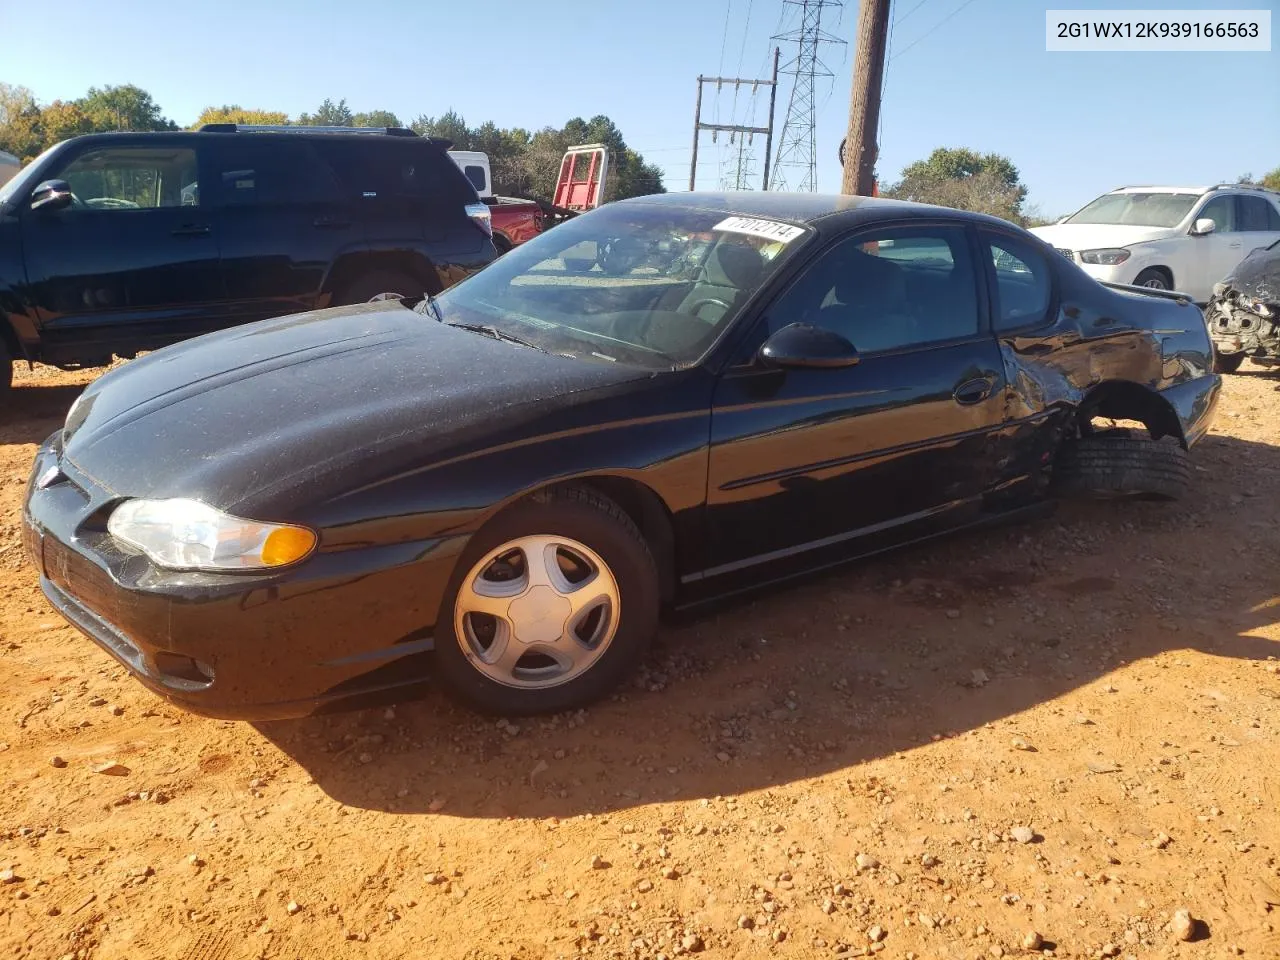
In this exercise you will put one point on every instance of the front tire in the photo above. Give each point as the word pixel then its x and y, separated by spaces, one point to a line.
pixel 1227 362
pixel 1156 278
pixel 551 606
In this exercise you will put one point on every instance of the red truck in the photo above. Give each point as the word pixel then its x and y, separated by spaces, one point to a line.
pixel 579 187
pixel 514 220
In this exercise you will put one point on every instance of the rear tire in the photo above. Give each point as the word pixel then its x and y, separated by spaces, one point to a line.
pixel 1119 464
pixel 1157 278
pixel 380 285
pixel 1228 362
pixel 582 518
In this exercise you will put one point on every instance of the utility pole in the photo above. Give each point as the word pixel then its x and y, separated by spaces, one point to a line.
pixel 730 128
pixel 864 99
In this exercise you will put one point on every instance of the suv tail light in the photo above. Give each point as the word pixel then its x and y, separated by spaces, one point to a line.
pixel 480 215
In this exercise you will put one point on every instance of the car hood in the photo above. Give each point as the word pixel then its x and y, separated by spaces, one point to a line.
pixel 1256 277
pixel 330 397
pixel 1095 236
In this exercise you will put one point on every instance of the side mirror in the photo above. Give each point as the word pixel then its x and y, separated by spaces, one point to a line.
pixel 801 345
pixel 1203 227
pixel 51 195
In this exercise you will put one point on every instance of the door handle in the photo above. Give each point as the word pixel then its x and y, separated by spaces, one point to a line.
pixel 192 230
pixel 973 391
pixel 332 223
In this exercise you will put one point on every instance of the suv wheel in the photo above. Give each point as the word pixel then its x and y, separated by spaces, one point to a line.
pixel 6 370
pixel 1227 362
pixel 1154 277
pixel 380 285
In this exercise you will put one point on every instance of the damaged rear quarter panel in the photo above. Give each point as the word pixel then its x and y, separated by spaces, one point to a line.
pixel 1103 339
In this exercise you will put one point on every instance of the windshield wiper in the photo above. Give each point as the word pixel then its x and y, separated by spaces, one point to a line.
pixel 490 330
pixel 429 302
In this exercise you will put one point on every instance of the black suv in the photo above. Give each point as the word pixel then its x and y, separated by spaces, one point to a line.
pixel 120 242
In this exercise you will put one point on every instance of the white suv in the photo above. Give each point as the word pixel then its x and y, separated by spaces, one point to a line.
pixel 1170 238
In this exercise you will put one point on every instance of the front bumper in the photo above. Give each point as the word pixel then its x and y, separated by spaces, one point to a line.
pixel 338 629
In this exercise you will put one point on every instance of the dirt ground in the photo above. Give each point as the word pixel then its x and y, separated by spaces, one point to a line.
pixel 1055 735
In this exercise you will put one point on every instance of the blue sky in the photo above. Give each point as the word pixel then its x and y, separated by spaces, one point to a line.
pixel 962 73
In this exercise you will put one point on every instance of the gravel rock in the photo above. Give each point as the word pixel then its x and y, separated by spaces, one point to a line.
pixel 57 762
pixel 112 769
pixel 1031 940
pixel 1022 834
pixel 866 862
pixel 644 886
pixel 1183 925
pixel 8 876
pixel 876 933
pixel 691 943
pixel 598 862
pixel 293 907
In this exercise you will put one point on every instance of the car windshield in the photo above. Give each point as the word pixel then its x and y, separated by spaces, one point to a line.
pixel 1137 209
pixel 20 180
pixel 642 284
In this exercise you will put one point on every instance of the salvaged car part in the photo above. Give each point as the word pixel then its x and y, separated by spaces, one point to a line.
pixel 1123 463
pixel 1244 314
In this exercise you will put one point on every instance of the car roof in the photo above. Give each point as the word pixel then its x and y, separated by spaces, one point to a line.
pixel 219 136
pixel 809 208
pixel 1160 189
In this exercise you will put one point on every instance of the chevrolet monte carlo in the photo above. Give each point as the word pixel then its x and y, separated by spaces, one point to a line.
pixel 665 401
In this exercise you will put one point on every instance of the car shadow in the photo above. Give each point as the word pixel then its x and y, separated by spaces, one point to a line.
pixel 881 657
pixel 33 411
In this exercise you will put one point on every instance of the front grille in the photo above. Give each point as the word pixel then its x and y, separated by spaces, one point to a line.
pixel 1066 253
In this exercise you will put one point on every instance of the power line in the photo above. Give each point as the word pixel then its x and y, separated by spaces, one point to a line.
pixel 909 13
pixel 935 27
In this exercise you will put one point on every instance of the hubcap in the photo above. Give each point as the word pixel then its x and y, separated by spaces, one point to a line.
pixel 1155 283
pixel 537 612
pixel 387 295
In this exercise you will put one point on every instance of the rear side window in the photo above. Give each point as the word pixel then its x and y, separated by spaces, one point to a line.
pixel 1257 214
pixel 391 168
pixel 476 175
pixel 269 173
pixel 1024 284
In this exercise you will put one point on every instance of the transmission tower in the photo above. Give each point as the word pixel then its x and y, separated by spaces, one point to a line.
pixel 738 168
pixel 797 147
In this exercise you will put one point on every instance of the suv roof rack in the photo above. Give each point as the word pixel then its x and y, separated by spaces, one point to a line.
pixel 301 128
pixel 1244 186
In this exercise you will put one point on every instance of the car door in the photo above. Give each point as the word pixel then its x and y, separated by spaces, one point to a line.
pixel 282 220
pixel 808 465
pixel 133 262
pixel 1216 253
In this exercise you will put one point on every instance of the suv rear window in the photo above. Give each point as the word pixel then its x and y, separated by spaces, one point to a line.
pixel 396 168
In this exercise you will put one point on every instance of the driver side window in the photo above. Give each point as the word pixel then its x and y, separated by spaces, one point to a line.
pixel 1222 211
pixel 889 289
pixel 133 178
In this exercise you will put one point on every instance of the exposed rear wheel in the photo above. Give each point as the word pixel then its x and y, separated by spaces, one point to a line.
pixel 1156 278
pixel 551 606
pixel 380 285
pixel 1120 464
pixel 1227 362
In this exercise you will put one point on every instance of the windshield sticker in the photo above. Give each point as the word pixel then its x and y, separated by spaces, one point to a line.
pixel 755 227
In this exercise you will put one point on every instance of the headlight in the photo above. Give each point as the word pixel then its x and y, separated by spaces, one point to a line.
pixel 1107 256
pixel 190 535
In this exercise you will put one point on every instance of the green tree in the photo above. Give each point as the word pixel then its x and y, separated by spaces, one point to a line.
pixel 123 108
pixel 450 126
pixel 62 121
pixel 329 114
pixel 21 132
pixel 965 179
pixel 376 118
pixel 1271 181
pixel 238 114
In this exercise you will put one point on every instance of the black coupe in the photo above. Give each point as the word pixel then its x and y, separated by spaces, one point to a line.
pixel 663 401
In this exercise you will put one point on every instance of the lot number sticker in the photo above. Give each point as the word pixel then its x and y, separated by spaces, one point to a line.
pixel 768 229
